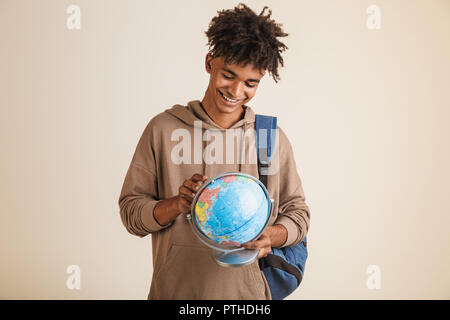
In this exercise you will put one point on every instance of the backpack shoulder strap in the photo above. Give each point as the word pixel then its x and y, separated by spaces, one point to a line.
pixel 265 141
pixel 282 267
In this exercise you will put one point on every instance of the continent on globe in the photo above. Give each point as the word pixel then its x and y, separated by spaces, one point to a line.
pixel 232 209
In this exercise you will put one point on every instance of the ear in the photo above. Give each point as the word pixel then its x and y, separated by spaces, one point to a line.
pixel 208 60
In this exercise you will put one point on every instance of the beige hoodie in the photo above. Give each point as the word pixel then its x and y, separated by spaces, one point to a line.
pixel 183 267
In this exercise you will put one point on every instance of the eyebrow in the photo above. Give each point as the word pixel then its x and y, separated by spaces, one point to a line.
pixel 234 74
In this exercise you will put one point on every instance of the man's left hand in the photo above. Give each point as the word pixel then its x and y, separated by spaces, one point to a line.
pixel 273 236
pixel 263 244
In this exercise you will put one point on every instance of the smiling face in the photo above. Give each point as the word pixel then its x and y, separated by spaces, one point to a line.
pixel 230 87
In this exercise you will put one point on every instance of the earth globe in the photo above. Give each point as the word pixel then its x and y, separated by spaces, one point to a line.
pixel 228 210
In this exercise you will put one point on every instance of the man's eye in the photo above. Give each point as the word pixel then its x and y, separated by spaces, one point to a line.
pixel 249 85
pixel 227 77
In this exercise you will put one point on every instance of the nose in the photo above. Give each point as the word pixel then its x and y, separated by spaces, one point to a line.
pixel 237 89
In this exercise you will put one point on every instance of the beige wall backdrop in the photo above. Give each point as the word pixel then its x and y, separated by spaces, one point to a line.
pixel 367 113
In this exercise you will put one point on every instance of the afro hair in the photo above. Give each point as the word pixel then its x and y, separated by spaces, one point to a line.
pixel 241 36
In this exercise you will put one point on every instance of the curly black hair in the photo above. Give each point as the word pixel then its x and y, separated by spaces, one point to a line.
pixel 241 36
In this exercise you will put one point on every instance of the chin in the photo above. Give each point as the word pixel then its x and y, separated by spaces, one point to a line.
pixel 227 109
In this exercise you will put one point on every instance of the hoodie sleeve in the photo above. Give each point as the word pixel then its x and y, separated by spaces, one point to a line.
pixel 293 213
pixel 139 194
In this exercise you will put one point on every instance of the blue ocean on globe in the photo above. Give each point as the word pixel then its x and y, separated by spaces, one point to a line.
pixel 232 209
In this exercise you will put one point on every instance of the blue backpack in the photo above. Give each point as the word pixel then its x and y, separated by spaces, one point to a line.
pixel 283 267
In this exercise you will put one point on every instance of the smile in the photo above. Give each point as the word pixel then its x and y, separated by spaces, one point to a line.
pixel 229 100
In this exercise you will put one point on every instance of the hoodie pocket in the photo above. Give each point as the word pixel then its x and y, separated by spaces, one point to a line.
pixel 191 273
pixel 177 273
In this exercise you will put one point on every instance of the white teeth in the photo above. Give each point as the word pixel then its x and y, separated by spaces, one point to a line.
pixel 228 99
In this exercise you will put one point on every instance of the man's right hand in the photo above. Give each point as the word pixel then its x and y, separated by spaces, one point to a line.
pixel 167 210
pixel 187 191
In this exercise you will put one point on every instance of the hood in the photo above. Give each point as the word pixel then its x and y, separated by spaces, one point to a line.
pixel 194 112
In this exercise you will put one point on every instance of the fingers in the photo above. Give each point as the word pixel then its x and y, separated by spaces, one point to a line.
pixel 188 190
pixel 263 244
pixel 198 177
pixel 264 250
pixel 258 244
pixel 249 245
pixel 192 186
pixel 195 182
pixel 186 193
pixel 263 253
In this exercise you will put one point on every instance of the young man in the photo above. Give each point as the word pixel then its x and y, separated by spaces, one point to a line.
pixel 162 178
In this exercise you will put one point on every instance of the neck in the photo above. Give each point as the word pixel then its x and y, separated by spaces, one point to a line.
pixel 224 120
